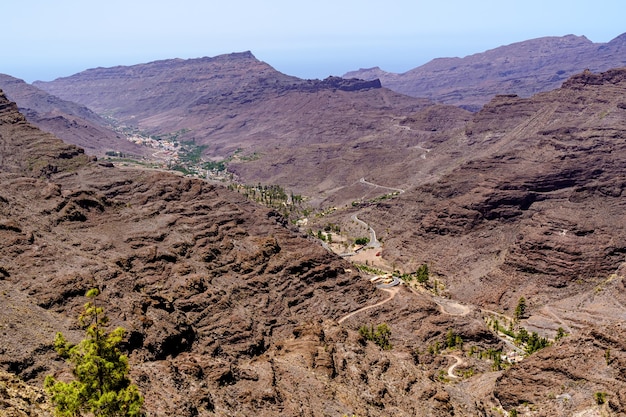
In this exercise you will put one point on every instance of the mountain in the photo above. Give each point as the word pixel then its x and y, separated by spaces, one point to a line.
pixel 34 155
pixel 535 210
pixel 523 68
pixel 540 195
pixel 282 130
pixel 73 123
pixel 228 311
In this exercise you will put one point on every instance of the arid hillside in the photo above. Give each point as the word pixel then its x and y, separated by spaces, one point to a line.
pixel 523 68
pixel 314 137
pixel 537 205
pixel 228 311
pixel 231 310
pixel 534 209
pixel 69 121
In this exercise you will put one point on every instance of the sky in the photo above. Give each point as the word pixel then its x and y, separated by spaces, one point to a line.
pixel 47 39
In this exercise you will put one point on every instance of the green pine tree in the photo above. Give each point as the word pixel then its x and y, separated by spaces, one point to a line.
pixel 101 387
pixel 560 334
pixel 451 339
pixel 520 309
pixel 422 274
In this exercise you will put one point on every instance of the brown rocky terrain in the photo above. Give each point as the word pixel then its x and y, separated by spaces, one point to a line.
pixel 523 68
pixel 231 312
pixel 535 210
pixel 72 123
pixel 228 311
pixel 560 379
pixel 539 194
pixel 19 399
pixel 288 131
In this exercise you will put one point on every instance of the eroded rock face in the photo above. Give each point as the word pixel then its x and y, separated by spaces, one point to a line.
pixel 73 123
pixel 541 192
pixel 26 151
pixel 20 399
pixel 565 377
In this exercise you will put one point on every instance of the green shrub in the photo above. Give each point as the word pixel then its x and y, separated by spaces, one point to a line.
pixel 520 309
pixel 536 342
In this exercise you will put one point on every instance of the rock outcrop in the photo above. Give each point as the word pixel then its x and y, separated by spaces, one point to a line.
pixel 25 151
pixel 20 399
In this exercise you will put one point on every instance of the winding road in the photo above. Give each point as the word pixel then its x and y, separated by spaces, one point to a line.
pixel 459 362
pixel 363 181
pixel 392 291
pixel 373 243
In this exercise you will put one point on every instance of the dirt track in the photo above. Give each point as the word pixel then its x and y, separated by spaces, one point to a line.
pixel 393 291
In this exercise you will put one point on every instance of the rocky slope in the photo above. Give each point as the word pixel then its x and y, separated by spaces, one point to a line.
pixel 228 311
pixel 523 68
pixel 540 193
pixel 535 210
pixel 286 131
pixel 75 124
pixel 232 313
pixel 562 379
pixel 18 399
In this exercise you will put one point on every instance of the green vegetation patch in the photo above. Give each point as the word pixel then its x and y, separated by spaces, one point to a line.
pixel 379 335
pixel 101 386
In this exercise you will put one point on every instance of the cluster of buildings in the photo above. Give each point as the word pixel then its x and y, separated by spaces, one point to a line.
pixel 167 149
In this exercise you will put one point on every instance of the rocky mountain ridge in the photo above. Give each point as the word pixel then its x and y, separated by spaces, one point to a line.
pixel 523 68
pixel 72 123
pixel 541 196
pixel 284 130
pixel 149 88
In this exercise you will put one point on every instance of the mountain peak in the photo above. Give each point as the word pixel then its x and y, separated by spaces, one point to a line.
pixel 366 73
pixel 8 111
pixel 523 68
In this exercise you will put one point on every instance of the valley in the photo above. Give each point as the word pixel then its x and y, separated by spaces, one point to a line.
pixel 278 246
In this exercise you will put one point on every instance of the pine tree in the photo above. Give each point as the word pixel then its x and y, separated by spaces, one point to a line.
pixel 520 310
pixel 450 339
pixel 459 342
pixel 101 386
pixel 522 336
pixel 422 274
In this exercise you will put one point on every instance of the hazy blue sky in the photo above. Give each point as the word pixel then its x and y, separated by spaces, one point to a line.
pixel 45 39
